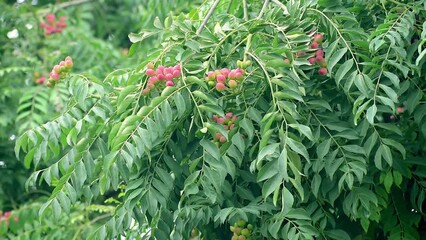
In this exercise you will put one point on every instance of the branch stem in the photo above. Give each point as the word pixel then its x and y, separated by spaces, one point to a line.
pixel 206 19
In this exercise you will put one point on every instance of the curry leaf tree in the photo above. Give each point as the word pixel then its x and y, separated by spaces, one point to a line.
pixel 304 119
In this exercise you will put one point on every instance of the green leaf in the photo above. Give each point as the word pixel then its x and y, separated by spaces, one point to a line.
pixel 371 113
pixel 303 129
pixel 335 58
pixel 343 70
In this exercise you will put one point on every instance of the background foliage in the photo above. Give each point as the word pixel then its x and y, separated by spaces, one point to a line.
pixel 311 156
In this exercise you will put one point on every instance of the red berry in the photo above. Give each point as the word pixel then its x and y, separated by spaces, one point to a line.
pixel 286 60
pixel 228 115
pixel 220 86
pixel 161 77
pixel 54 75
pixel 160 69
pixel 234 118
pixel 61 24
pixel 225 72
pixel 169 77
pixel 177 67
pixel 232 84
pixel 50 18
pixel 217 136
pixel 312 60
pixel 153 80
pixel 220 78
pixel 170 84
pixel 319 58
pixel 320 52
pixel 220 120
pixel 318 38
pixel 40 80
pixel 222 139
pixel 150 72
pixel 322 71
pixel 176 73
pixel 314 45
pixel 400 109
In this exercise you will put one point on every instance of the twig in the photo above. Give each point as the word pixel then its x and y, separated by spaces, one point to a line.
pixel 229 6
pixel 265 4
pixel 206 19
pixel 245 10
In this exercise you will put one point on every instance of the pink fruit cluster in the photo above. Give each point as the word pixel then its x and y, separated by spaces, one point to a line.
pixel 228 122
pixel 223 78
pixel 52 26
pixel 319 54
pixel 6 217
pixel 162 76
pixel 61 69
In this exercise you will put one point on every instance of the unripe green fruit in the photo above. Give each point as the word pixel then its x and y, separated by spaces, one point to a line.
pixel 194 232
pixel 250 226
pixel 237 230
pixel 232 228
pixel 241 223
pixel 245 232
pixel 232 84
pixel 211 83
pixel 240 64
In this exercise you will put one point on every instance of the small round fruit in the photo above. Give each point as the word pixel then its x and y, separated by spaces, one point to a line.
pixel 314 45
pixel 250 226
pixel 245 232
pixel 318 38
pixel 240 64
pixel 169 77
pixel 220 86
pixel 400 109
pixel 150 72
pixel 322 71
pixel 246 64
pixel 237 230
pixel 312 61
pixel 222 139
pixel 176 73
pixel 300 54
pixel 220 78
pixel 194 232
pixel 150 65
pixel 211 83
pixel 145 92
pixel 232 228
pixel 170 84
pixel 287 60
pixel 220 120
pixel 241 223
pixel 241 237
pixel 232 84
pixel 319 58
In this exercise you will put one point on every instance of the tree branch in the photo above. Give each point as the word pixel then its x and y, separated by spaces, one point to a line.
pixel 265 4
pixel 206 19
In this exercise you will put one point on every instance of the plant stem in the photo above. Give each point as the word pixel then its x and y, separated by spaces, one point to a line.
pixel 245 10
pixel 247 47
pixel 265 4
pixel 206 19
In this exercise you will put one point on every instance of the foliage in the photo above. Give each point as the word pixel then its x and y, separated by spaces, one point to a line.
pixel 338 156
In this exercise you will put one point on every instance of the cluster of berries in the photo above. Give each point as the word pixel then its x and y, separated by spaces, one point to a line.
pixel 319 54
pixel 162 76
pixel 228 122
pixel 6 217
pixel 52 26
pixel 241 231
pixel 224 77
pixel 60 70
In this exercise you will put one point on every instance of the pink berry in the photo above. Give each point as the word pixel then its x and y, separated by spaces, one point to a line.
pixel 177 67
pixel 217 136
pixel 211 75
pixel 220 86
pixel 169 77
pixel 153 80
pixel 225 72
pixel 161 77
pixel 228 115
pixel 215 117
pixel 238 76
pixel 220 78
pixel 322 71
pixel 400 109
pixel 319 58
pixel 69 63
pixel 319 52
pixel 62 18
pixel 170 84
pixel 150 85
pixel 234 118
pixel 220 120
pixel 56 68
pixel 318 38
pixel 168 70
pixel 150 72
pixel 301 54
pixel 176 73
pixel 62 63
pixel 222 139
pixel 40 80
pixel 50 18
pixel 61 24
pixel 312 60
pixel 231 74
pixel 232 126
pixel 160 69
pixel 286 60
pixel 314 45
pixel 54 75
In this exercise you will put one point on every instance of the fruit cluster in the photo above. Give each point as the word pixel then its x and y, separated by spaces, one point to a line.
pixel 224 78
pixel 228 122
pixel 319 54
pixel 162 76
pixel 241 231
pixel 60 70
pixel 243 64
pixel 6 217
pixel 52 26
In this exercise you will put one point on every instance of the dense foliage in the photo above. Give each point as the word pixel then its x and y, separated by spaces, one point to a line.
pixel 258 119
